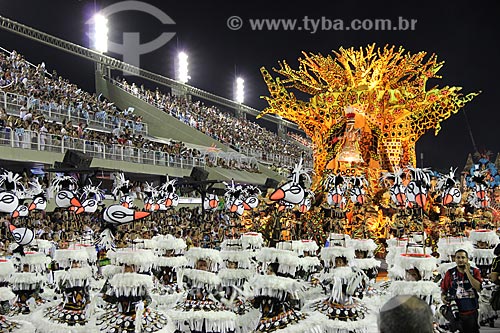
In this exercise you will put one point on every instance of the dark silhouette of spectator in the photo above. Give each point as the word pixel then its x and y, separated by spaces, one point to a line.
pixel 405 313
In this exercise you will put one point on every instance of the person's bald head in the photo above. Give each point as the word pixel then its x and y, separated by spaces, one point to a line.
pixel 405 313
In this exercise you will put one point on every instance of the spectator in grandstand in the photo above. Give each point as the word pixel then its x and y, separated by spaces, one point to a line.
pixel 51 93
pixel 3 118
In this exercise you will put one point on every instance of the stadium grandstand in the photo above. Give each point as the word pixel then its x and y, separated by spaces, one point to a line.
pixel 124 127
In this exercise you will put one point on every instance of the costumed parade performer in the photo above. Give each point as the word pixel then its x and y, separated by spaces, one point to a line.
pixel 484 242
pixel 236 270
pixel 345 286
pixel 168 263
pixel 202 311
pixel 73 282
pixel 7 298
pixel 364 258
pixel 28 282
pixel 129 296
pixel 277 295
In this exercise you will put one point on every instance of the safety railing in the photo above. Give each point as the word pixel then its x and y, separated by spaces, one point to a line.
pixel 57 112
pixel 278 159
pixel 42 141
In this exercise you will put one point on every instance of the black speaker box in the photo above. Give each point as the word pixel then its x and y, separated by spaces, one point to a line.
pixel 271 183
pixel 199 174
pixel 77 159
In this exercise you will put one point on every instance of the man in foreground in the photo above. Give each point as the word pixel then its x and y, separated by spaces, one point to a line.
pixel 462 284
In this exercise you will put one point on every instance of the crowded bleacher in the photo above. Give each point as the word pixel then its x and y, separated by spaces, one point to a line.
pixel 45 113
pixel 240 134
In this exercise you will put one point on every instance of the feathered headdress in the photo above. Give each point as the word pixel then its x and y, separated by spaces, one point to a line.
pixel 63 182
pixel 336 186
pixel 167 195
pixel 397 188
pixel 447 185
pixel 150 197
pixel 357 187
pixel 35 189
pixel 251 196
pixel 121 185
pixel 233 197
pixel 92 191
pixel 416 190
pixel 11 181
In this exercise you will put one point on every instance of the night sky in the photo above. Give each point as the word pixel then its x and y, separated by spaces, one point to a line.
pixel 462 35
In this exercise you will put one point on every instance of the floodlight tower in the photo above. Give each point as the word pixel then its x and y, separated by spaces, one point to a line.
pixel 100 40
pixel 182 68
pixel 100 33
pixel 239 96
pixel 181 75
pixel 240 90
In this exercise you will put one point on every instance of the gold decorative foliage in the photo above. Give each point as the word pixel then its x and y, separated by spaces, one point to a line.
pixel 385 86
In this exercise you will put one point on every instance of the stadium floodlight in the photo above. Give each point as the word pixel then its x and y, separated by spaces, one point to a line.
pixel 240 90
pixel 100 33
pixel 182 67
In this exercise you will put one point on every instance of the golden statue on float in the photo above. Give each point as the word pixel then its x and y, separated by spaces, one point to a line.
pixel 367 109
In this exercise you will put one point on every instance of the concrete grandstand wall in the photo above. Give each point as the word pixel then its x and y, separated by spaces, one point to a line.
pixel 24 155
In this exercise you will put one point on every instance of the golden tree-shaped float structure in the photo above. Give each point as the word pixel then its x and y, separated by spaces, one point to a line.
pixel 371 99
